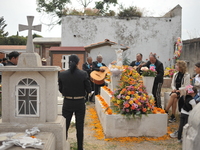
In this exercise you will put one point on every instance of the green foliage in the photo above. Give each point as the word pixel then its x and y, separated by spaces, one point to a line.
pixel 126 61
pixel 2 27
pixel 131 11
pixel 104 6
pixel 52 7
pixel 36 35
pixel 13 40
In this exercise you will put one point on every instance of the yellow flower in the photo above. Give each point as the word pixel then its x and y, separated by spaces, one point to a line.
pixel 127 97
pixel 131 102
pixel 151 101
pixel 129 92
pixel 139 103
pixel 118 101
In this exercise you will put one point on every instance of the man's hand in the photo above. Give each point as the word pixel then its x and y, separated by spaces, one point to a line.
pixel 102 70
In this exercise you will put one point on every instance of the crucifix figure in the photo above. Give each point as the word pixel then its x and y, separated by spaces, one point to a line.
pixel 118 53
pixel 29 45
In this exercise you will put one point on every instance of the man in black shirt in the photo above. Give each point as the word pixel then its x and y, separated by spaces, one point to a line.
pixel 88 68
pixel 13 58
pixel 73 84
pixel 153 61
pixel 96 66
pixel 137 64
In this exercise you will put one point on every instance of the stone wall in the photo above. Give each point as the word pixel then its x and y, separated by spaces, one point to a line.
pixel 191 53
pixel 144 35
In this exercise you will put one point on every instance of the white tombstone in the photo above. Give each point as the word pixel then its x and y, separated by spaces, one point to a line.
pixel 29 95
pixel 191 131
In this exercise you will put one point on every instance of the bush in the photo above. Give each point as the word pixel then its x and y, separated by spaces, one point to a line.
pixel 132 11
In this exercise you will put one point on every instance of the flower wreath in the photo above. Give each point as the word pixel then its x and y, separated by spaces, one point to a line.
pixel 178 48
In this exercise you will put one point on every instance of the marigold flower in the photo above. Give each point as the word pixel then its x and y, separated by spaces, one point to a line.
pixel 127 97
pixel 131 102
pixel 144 109
pixel 126 105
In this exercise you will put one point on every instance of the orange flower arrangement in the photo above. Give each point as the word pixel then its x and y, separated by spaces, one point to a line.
pixel 98 131
pixel 131 98
pixel 157 110
pixel 105 106
pixel 108 90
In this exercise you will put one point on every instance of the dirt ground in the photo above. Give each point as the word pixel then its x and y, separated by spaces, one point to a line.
pixel 92 143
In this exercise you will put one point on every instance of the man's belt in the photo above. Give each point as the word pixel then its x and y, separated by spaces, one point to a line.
pixel 76 97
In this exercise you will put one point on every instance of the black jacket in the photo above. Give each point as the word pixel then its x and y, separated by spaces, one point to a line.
pixel 95 67
pixel 86 68
pixel 187 106
pixel 73 85
pixel 9 63
pixel 159 69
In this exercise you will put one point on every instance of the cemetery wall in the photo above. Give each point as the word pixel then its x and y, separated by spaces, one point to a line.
pixel 144 35
pixel 191 53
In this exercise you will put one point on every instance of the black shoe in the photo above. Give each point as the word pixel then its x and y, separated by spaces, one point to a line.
pixel 172 119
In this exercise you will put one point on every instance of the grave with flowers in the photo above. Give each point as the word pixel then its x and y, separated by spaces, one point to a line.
pixel 128 109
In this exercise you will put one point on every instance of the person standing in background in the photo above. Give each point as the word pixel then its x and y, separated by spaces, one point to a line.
pixel 158 66
pixel 96 65
pixel 87 66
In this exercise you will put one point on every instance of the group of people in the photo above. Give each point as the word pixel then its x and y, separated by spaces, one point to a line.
pixel 13 59
pixel 185 94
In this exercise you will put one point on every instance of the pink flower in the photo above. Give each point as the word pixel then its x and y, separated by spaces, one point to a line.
pixel 152 68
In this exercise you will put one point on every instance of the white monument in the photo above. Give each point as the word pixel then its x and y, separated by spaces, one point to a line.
pixel 191 131
pixel 29 96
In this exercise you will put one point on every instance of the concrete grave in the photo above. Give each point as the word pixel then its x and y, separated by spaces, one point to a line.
pixel 191 131
pixel 29 95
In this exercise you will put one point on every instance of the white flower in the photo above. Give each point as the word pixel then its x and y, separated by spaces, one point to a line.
pixel 144 68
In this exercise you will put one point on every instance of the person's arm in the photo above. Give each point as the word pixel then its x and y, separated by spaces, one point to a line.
pixel 193 103
pixel 60 85
pixel 132 63
pixel 173 82
pixel 87 84
pixel 187 80
pixel 85 68
pixel 160 72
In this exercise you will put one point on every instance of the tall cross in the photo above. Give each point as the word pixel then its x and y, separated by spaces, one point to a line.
pixel 29 44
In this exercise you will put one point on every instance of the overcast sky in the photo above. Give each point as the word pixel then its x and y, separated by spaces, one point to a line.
pixel 15 12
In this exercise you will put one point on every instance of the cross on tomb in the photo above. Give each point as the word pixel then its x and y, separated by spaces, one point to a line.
pixel 29 45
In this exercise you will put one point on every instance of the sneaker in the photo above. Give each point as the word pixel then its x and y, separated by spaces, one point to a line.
pixel 179 141
pixel 172 119
pixel 174 135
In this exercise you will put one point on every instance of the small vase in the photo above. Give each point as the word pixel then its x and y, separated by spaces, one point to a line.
pixel 148 83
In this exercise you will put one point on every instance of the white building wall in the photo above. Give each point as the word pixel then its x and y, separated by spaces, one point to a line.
pixel 144 35
pixel 107 53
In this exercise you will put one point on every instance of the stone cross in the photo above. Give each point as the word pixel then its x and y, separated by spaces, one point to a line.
pixel 29 45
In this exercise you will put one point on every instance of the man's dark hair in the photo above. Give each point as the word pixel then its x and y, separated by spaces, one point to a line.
pixel 139 54
pixel 0 60
pixel 4 59
pixel 14 54
pixel 197 64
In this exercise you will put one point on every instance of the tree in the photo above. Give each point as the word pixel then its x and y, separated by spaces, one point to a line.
pixel 36 35
pixel 103 6
pixel 131 11
pixel 84 3
pixel 2 26
pixel 52 7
